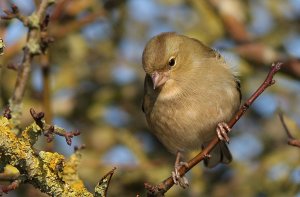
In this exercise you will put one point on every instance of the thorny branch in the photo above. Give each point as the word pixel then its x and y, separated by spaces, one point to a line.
pixel 291 140
pixel 164 186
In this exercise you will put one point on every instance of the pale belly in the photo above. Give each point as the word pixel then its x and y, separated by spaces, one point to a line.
pixel 183 128
pixel 187 121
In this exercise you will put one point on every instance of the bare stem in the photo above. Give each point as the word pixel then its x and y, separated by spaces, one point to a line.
pixel 291 140
pixel 22 78
pixel 32 48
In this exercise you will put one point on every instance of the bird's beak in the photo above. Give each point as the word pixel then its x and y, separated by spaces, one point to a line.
pixel 159 78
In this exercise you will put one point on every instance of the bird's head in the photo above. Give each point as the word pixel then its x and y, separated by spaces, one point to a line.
pixel 172 57
pixel 162 57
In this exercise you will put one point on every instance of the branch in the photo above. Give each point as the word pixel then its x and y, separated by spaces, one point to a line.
pixel 164 186
pixel 50 130
pixel 263 54
pixel 12 186
pixel 75 25
pixel 102 186
pixel 35 45
pixel 45 66
pixel 232 21
pixel 49 172
pixel 291 140
pixel 247 46
pixel 15 13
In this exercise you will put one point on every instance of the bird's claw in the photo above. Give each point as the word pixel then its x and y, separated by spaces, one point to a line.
pixel 222 127
pixel 179 180
pixel 207 156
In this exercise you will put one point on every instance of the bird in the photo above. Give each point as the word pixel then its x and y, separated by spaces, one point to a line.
pixel 190 92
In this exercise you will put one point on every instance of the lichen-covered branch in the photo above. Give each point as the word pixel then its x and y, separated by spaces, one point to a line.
pixel 102 187
pixel 49 172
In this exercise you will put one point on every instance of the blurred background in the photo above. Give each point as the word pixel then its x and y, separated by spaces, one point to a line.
pixel 95 85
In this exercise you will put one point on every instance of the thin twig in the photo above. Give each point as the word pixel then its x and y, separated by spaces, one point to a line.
pixel 22 78
pixel 12 186
pixel 46 70
pixel 235 27
pixel 291 140
pixel 14 13
pixel 32 48
pixel 247 46
pixel 46 87
pixel 50 130
pixel 59 9
pixel 7 113
pixel 164 186
pixel 76 25
pixel 42 8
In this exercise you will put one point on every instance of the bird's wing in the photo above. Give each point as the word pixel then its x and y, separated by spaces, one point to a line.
pixel 217 55
pixel 146 99
pixel 238 87
pixel 143 108
pixel 220 154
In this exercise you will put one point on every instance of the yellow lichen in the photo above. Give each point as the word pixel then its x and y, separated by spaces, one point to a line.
pixel 47 171
pixel 4 122
pixel 54 160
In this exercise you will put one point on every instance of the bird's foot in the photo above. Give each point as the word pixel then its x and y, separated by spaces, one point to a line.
pixel 179 180
pixel 207 156
pixel 222 127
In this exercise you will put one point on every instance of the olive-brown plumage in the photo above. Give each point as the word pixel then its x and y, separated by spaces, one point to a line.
pixel 189 89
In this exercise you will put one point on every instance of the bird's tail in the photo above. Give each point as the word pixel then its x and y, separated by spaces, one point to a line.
pixel 220 154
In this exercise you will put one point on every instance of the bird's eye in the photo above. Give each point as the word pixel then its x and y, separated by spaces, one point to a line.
pixel 172 61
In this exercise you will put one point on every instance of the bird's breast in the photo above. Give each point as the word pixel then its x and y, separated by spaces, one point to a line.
pixel 178 125
pixel 186 120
